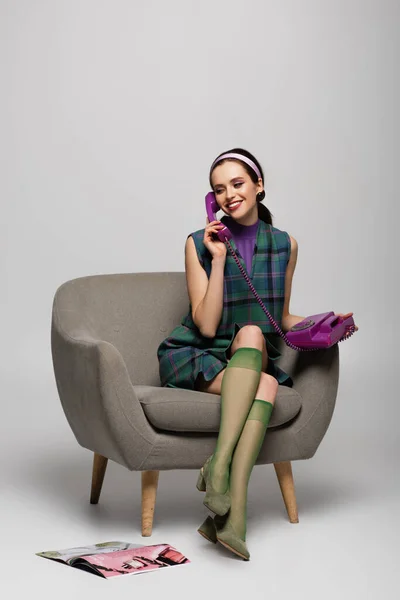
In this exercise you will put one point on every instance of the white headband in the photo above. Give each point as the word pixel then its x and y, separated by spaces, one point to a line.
pixel 244 159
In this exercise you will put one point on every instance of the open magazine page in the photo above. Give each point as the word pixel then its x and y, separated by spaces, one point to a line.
pixel 69 554
pixel 133 561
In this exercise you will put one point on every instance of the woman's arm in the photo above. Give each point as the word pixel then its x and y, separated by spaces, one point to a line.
pixel 288 320
pixel 205 295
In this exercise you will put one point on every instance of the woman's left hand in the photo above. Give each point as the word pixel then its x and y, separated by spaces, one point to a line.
pixel 344 317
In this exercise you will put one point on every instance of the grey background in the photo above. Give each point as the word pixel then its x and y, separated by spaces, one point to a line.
pixel 111 113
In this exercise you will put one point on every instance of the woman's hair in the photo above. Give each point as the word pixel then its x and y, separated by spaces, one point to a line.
pixel 263 212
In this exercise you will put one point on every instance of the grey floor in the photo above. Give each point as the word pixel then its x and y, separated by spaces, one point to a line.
pixel 345 545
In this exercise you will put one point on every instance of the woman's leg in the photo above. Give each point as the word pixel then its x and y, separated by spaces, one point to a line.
pixel 237 385
pixel 248 449
pixel 232 532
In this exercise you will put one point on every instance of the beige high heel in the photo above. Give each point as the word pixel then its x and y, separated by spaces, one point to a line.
pixel 215 501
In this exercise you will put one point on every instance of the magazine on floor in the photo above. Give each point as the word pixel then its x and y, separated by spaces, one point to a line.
pixel 111 559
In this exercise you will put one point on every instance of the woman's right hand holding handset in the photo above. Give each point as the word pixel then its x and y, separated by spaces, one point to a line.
pixel 216 248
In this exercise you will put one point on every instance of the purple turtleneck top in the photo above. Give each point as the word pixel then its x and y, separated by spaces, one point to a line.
pixel 245 240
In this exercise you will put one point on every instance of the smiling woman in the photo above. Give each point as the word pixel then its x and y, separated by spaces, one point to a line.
pixel 224 344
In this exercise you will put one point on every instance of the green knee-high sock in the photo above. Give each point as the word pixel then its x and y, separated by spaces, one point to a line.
pixel 238 389
pixel 244 458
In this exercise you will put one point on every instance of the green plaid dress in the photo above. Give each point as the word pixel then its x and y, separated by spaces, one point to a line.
pixel 185 353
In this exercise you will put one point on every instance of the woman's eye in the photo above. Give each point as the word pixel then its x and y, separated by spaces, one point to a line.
pixel 218 191
pixel 238 184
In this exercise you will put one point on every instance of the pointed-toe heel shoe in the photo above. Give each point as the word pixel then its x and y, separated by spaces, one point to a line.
pixel 228 537
pixel 201 482
pixel 215 501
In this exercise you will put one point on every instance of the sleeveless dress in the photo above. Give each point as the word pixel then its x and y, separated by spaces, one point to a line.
pixel 185 353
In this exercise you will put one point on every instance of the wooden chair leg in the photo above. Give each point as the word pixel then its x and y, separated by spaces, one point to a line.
pixel 99 469
pixel 149 493
pixel 285 477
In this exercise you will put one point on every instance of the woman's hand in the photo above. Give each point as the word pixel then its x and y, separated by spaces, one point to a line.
pixel 344 317
pixel 216 248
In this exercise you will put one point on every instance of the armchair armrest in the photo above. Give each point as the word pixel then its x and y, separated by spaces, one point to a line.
pixel 97 396
pixel 316 378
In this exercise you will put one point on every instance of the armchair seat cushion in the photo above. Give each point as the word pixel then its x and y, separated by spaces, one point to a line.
pixel 174 409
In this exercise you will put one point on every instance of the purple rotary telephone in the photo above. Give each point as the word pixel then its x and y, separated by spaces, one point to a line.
pixel 313 333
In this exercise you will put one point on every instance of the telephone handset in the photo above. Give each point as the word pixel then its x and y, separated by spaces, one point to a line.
pixel 212 208
pixel 314 332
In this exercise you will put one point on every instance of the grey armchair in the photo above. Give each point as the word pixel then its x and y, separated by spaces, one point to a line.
pixel 105 333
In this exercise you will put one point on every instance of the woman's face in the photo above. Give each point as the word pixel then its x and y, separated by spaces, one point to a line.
pixel 235 192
